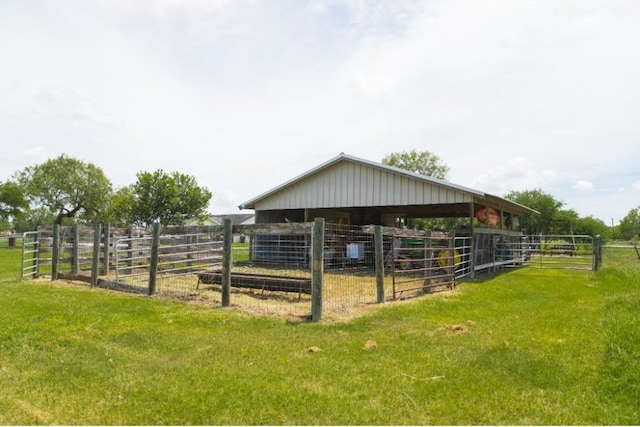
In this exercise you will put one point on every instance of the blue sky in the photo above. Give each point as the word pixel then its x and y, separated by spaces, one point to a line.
pixel 244 95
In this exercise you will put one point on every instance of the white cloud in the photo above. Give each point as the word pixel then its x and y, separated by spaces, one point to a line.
pixel 582 185
pixel 245 95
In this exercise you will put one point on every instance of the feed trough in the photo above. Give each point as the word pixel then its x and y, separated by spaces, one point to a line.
pixel 265 282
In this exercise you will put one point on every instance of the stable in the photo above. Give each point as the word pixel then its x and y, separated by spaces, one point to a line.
pixel 354 191
pixel 348 190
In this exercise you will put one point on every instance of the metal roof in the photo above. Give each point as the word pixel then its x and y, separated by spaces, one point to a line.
pixel 475 194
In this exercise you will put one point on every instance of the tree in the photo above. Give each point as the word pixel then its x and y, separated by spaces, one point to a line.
pixel 67 187
pixel 33 218
pixel 592 227
pixel 167 198
pixel 629 227
pixel 423 162
pixel 547 206
pixel 120 211
pixel 13 202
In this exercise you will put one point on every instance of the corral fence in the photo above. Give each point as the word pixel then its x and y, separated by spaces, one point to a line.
pixel 305 270
pixel 576 252
pixel 624 246
pixel 496 251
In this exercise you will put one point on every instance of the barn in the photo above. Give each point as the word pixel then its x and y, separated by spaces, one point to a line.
pixel 348 190
pixel 351 190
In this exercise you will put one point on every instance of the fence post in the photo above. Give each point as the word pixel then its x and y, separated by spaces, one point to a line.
pixel 379 257
pixel 226 262
pixel 190 241
pixel 75 252
pixel 106 250
pixel 597 255
pixel 95 259
pixel 55 252
pixel 155 251
pixel 317 269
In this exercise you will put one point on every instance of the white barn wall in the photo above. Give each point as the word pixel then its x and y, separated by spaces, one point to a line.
pixel 341 185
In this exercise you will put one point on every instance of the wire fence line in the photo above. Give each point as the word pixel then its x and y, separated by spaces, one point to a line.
pixel 305 270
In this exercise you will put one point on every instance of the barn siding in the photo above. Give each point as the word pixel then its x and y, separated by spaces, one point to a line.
pixel 347 184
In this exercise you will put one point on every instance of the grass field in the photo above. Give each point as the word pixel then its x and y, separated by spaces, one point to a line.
pixel 525 347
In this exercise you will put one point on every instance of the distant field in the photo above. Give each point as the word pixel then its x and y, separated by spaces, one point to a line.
pixel 526 347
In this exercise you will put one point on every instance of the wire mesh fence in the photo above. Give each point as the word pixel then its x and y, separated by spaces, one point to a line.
pixel 271 268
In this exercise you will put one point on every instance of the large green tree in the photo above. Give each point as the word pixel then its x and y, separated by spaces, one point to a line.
pixel 13 203
pixel 592 227
pixel 68 187
pixel 167 198
pixel 629 227
pixel 120 212
pixel 34 218
pixel 547 206
pixel 422 162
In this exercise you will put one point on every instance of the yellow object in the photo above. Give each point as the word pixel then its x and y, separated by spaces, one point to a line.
pixel 443 258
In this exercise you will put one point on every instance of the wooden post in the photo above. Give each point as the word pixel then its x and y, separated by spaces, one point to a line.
pixel 597 253
pixel 106 250
pixel 379 257
pixel 155 252
pixel 75 252
pixel 190 241
pixel 95 259
pixel 317 269
pixel 55 252
pixel 226 261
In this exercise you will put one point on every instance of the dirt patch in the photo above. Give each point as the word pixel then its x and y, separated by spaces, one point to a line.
pixel 458 329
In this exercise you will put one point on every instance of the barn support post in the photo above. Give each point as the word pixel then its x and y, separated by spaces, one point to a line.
pixel 95 258
pixel 75 250
pixel 317 268
pixel 379 257
pixel 106 250
pixel 227 240
pixel 55 252
pixel 155 252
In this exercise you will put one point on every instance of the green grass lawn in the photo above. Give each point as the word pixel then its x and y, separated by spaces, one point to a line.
pixel 525 347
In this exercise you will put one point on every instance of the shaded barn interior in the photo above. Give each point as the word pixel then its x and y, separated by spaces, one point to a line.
pixel 349 191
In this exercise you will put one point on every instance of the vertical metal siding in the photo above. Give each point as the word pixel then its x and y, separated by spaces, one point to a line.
pixel 348 184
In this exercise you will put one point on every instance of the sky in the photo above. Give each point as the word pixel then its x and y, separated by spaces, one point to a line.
pixel 244 95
